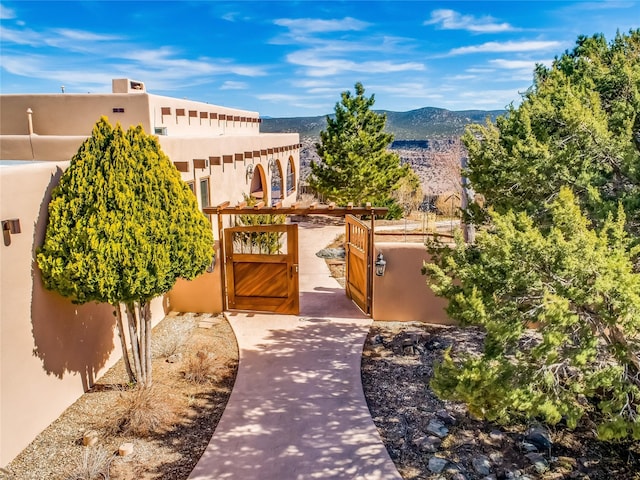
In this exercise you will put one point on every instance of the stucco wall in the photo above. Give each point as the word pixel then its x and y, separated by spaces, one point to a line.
pixel 51 351
pixel 402 293
pixel 70 114
pixel 200 295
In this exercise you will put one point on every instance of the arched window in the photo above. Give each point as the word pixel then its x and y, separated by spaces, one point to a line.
pixel 291 177
pixel 277 187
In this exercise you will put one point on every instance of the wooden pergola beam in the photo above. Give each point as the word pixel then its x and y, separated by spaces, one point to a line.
pixel 314 209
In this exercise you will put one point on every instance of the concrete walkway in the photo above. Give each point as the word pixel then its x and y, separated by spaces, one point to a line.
pixel 297 410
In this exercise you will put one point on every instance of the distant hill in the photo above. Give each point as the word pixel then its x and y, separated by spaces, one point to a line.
pixel 421 124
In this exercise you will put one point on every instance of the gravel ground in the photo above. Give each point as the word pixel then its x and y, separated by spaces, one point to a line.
pixel 428 438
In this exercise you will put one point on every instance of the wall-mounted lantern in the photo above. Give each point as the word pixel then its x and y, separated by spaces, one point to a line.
pixel 9 227
pixel 249 172
pixel 381 265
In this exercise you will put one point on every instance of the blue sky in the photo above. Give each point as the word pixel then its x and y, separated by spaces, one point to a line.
pixel 294 58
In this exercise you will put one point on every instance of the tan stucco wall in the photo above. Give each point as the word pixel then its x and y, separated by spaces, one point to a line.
pixel 200 295
pixel 402 293
pixel 70 114
pixel 51 351
pixel 229 180
pixel 184 125
pixel 75 114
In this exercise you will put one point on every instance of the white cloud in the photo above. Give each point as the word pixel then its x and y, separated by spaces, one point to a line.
pixel 479 70
pixel 278 97
pixel 517 64
pixel 164 59
pixel 322 67
pixel 65 39
pixel 313 25
pixel 461 77
pixel 6 13
pixel 83 36
pixel 48 68
pixel 452 20
pixel 230 85
pixel 499 47
pixel 230 16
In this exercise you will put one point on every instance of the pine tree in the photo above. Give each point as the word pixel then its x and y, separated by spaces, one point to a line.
pixel 122 228
pixel 356 163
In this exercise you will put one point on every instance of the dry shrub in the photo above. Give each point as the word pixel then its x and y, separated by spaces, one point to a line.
pixel 171 335
pixel 94 464
pixel 201 367
pixel 448 204
pixel 143 411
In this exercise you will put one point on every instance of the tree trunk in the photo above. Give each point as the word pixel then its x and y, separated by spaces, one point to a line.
pixel 146 318
pixel 123 343
pixel 143 340
pixel 135 347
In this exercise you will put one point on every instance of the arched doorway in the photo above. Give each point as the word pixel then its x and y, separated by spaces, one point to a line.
pixel 257 189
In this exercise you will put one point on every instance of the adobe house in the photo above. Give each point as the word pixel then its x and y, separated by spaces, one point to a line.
pixel 51 350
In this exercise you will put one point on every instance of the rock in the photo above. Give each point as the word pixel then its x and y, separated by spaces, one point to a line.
pixel 539 436
pixel 446 417
pixel 90 438
pixel 489 477
pixel 529 447
pixel 496 435
pixel 437 464
pixel 496 458
pixel 538 461
pixel 459 476
pixel 331 253
pixel 125 449
pixel 428 444
pixel 175 358
pixel 437 428
pixel 566 462
pixel 481 465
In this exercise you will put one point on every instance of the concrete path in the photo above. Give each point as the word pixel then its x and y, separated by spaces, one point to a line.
pixel 297 410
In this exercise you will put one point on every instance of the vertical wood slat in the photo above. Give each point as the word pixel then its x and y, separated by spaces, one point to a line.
pixel 263 282
pixel 358 267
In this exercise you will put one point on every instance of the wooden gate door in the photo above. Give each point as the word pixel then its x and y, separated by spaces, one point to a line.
pixel 262 268
pixel 358 279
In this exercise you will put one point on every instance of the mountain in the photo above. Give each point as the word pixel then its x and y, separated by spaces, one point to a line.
pixel 421 124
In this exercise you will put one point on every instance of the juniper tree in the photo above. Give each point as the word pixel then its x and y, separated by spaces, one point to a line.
pixel 122 228
pixel 560 175
pixel 578 288
pixel 357 165
pixel 578 125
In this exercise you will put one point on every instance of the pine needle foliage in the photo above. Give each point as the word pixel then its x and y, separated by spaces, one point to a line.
pixel 554 275
pixel 357 165
pixel 578 288
pixel 578 125
pixel 123 227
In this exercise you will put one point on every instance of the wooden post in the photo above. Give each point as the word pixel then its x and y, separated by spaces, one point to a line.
pixel 221 259
pixel 372 260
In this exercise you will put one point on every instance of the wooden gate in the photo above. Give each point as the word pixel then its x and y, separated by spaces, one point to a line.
pixel 358 268
pixel 261 266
